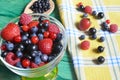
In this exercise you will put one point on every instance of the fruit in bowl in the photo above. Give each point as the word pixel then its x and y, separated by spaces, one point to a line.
pixel 32 44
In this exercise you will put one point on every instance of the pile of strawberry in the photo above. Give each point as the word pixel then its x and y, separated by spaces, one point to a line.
pixel 31 43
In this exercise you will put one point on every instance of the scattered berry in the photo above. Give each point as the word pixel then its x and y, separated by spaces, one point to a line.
pixel 81 8
pixel 104 26
pixel 52 35
pixel 108 21
pixel 94 36
pixel 82 37
pixel 113 28
pixel 85 15
pixel 94 13
pixel 37 60
pixel 85 45
pixel 101 59
pixel 40 36
pixel 9 46
pixel 102 39
pixel 34 29
pixel 44 58
pixel 100 15
pixel 84 24
pixel 100 49
pixel 92 31
pixel 88 9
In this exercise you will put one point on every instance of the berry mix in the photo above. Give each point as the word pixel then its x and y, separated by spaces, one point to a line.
pixel 85 24
pixel 31 43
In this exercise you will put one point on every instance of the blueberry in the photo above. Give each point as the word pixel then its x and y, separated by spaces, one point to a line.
pixel 94 36
pixel 4 53
pixel 92 31
pixel 85 15
pixel 101 59
pixel 19 65
pixel 50 58
pixel 25 33
pixel 101 39
pixel 45 25
pixel 26 42
pixel 100 15
pixel 19 47
pixel 57 47
pixel 41 18
pixel 100 49
pixel 37 60
pixel 10 46
pixel 82 37
pixel 44 58
pixel 104 26
pixel 24 37
pixel 42 30
pixel 33 53
pixel 94 13
pixel 32 47
pixel 40 36
pixel 33 34
pixel 81 8
pixel 19 54
pixel 34 29
pixel 59 37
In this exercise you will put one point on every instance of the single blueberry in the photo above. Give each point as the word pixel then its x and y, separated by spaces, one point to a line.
pixel 10 46
pixel 100 15
pixel 102 39
pixel 100 49
pixel 82 37
pixel 24 37
pixel 40 36
pixel 94 13
pixel 19 54
pixel 59 37
pixel 37 60
pixel 94 36
pixel 85 15
pixel 4 53
pixel 44 58
pixel 34 29
pixel 101 59
pixel 19 65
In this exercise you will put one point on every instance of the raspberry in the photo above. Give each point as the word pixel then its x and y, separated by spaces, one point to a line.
pixel 53 28
pixel 25 19
pixel 113 28
pixel 88 10
pixel 85 45
pixel 11 58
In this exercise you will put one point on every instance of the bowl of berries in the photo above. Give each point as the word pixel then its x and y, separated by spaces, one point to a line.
pixel 32 45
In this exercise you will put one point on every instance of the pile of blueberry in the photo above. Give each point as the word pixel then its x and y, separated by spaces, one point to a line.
pixel 40 6
pixel 35 46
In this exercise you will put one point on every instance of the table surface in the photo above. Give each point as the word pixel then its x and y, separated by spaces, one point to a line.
pixel 13 8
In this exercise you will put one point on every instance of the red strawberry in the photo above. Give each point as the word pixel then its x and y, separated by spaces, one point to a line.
pixel 84 24
pixel 53 28
pixel 10 31
pixel 11 58
pixel 25 19
pixel 33 24
pixel 45 46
